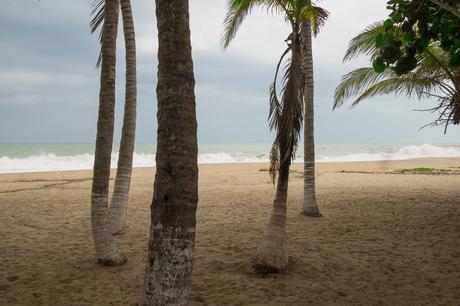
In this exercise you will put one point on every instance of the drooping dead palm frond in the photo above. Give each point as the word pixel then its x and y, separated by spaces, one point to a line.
pixel 286 114
pixel 286 117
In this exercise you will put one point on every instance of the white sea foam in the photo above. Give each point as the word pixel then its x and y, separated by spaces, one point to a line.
pixel 337 153
pixel 406 152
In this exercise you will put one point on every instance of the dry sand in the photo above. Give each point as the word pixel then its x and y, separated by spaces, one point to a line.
pixel 385 238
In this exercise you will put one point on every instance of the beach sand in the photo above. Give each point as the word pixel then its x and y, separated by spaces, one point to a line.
pixel 386 238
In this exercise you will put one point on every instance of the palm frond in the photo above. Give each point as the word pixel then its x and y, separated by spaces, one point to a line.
pixel 275 106
pixel 435 61
pixel 237 12
pixel 357 81
pixel 364 42
pixel 290 119
pixel 409 85
pixel 316 15
pixel 97 23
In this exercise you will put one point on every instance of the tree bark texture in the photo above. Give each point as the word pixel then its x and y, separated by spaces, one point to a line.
pixel 107 251
pixel 118 209
pixel 272 253
pixel 310 207
pixel 173 209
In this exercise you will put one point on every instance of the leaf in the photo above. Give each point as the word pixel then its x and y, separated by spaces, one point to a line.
pixel 388 24
pixel 379 65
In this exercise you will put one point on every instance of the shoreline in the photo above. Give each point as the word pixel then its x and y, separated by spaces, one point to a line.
pixel 319 164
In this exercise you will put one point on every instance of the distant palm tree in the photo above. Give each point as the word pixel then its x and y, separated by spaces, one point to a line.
pixel 175 197
pixel 285 117
pixel 119 206
pixel 431 79
pixel 308 28
pixel 107 252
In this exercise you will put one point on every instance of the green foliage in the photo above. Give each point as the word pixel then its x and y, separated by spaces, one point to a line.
pixel 411 27
pixel 423 170
pixel 431 78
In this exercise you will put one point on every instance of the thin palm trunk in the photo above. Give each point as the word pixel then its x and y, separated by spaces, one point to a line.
pixel 119 207
pixel 272 253
pixel 310 208
pixel 107 251
pixel 175 197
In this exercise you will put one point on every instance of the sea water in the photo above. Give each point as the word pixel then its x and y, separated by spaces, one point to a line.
pixel 59 157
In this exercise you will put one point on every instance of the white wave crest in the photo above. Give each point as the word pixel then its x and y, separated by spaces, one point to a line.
pixel 407 152
pixel 53 162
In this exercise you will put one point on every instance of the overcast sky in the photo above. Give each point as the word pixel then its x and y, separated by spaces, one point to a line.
pixel 49 84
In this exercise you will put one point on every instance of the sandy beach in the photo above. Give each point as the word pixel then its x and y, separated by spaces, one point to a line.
pixel 389 236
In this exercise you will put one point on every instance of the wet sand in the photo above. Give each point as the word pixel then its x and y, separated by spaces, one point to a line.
pixel 387 237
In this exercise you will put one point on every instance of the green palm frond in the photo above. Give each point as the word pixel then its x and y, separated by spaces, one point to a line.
pixel 409 85
pixel 357 81
pixel 364 43
pixel 97 23
pixel 366 83
pixel 316 15
pixel 237 12
pixel 435 61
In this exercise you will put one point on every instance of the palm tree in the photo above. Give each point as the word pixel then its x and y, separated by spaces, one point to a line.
pixel 318 16
pixel 285 117
pixel 107 251
pixel 175 197
pixel 118 209
pixel 431 79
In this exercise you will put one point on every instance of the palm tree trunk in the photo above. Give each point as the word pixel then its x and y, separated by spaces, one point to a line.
pixel 310 208
pixel 175 197
pixel 106 250
pixel 119 207
pixel 272 253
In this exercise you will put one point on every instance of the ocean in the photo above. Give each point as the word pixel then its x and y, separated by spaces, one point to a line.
pixel 16 158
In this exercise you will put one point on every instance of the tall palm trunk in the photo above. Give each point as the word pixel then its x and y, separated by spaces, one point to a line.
pixel 119 207
pixel 272 254
pixel 106 250
pixel 310 208
pixel 175 197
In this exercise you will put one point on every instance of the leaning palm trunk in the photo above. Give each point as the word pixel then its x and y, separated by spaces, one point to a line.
pixel 272 254
pixel 119 207
pixel 310 208
pixel 175 197
pixel 106 250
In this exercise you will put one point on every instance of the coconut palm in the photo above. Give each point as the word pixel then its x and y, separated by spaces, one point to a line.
pixel 119 206
pixel 285 117
pixel 431 79
pixel 107 251
pixel 175 197
pixel 309 26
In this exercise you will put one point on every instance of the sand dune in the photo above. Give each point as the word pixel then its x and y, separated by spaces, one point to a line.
pixel 386 238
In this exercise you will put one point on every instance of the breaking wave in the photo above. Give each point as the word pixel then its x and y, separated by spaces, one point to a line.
pixel 336 153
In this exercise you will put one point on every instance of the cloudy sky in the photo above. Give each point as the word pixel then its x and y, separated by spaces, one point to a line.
pixel 49 84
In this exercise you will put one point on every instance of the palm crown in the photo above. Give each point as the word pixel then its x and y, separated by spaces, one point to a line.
pixel 431 79
pixel 285 116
